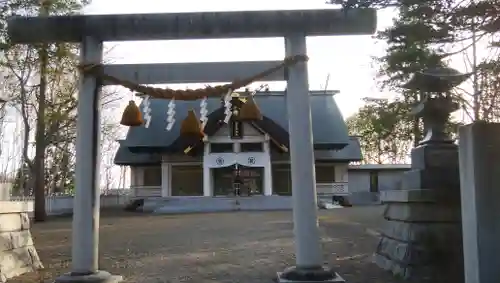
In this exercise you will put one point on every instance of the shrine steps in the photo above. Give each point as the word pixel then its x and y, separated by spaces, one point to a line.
pixel 220 204
pixel 179 205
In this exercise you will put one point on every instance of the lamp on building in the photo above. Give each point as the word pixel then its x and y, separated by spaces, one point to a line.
pixel 249 110
pixel 132 116
pixel 190 126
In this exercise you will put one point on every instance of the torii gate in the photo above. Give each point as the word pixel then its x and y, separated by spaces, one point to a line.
pixel 90 31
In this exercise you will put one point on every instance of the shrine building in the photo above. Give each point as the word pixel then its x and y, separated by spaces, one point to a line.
pixel 166 163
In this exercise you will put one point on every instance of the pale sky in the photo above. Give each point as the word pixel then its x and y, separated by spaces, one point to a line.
pixel 347 59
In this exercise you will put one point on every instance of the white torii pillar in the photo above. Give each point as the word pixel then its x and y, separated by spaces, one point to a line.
pixel 309 262
pixel 85 244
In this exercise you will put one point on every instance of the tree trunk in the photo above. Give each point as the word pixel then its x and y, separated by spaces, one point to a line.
pixel 39 188
pixel 40 213
pixel 27 174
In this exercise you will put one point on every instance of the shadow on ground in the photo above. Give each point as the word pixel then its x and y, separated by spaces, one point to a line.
pixel 241 247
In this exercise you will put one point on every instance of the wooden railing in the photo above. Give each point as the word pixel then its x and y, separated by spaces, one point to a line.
pixel 146 191
pixel 337 188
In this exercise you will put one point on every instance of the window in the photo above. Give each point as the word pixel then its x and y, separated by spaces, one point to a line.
pixel 187 180
pixel 282 179
pixel 251 147
pixel 325 174
pixel 221 147
pixel 152 176
pixel 373 181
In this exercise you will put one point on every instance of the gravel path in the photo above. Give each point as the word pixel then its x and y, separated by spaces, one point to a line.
pixel 243 247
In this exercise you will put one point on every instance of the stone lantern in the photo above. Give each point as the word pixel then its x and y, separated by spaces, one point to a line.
pixel 436 80
pixel 423 235
pixel 437 105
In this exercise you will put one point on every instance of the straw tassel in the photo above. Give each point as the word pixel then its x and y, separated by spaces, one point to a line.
pixel 190 126
pixel 132 115
pixel 249 110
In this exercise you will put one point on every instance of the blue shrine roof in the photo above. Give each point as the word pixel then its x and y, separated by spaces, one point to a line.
pixel 330 134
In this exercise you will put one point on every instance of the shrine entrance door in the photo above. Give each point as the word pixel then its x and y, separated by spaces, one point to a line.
pixel 252 180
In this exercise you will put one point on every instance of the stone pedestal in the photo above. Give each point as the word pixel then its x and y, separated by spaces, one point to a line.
pixel 422 238
pixel 480 180
pixel 17 249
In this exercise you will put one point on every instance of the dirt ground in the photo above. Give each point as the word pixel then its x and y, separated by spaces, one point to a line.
pixel 243 247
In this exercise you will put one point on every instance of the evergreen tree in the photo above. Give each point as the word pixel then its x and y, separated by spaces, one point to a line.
pixel 427 34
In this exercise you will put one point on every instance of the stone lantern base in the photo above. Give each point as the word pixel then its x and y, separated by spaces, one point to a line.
pixel 422 238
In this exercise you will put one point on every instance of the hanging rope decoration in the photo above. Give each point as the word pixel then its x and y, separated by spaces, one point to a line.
pixel 170 115
pixel 189 94
pixel 249 110
pixel 203 112
pixel 132 115
pixel 190 126
pixel 146 109
pixel 227 106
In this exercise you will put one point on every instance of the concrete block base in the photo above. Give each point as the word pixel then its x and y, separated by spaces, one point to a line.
pixel 298 275
pixel 99 277
pixel 18 254
pixel 422 235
